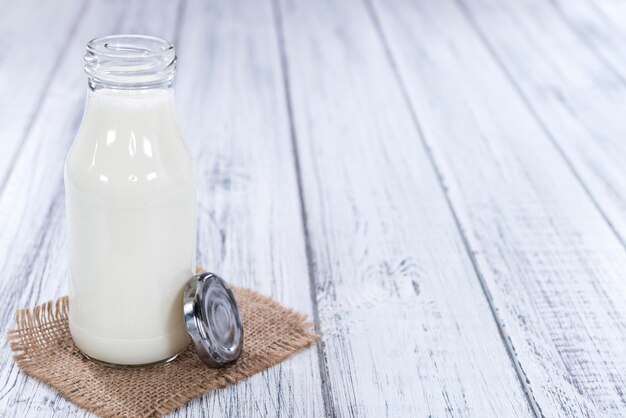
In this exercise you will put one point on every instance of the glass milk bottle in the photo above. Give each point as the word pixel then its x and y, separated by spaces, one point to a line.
pixel 130 188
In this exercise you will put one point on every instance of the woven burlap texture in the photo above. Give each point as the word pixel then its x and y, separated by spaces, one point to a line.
pixel 43 349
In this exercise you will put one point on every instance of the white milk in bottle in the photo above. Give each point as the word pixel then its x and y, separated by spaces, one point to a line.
pixel 131 207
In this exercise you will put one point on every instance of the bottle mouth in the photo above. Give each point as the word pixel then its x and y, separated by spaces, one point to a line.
pixel 130 62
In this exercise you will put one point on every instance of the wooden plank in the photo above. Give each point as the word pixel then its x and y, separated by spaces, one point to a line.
pixel 232 102
pixel 30 58
pixel 551 262
pixel 599 25
pixel 407 330
pixel 33 265
pixel 578 98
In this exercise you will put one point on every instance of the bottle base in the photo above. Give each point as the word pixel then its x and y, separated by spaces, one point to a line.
pixel 129 351
pixel 130 366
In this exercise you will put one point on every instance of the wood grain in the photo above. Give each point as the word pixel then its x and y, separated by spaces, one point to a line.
pixel 406 328
pixel 33 265
pixel 232 106
pixel 550 260
pixel 578 99
pixel 30 59
pixel 598 25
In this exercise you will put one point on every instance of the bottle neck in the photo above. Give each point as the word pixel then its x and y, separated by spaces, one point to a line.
pixel 130 62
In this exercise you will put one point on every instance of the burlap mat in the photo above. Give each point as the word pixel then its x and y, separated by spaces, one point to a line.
pixel 43 349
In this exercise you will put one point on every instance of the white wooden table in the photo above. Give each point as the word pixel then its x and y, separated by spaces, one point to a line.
pixel 441 185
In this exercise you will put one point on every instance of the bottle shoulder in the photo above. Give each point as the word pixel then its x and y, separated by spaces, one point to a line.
pixel 128 167
pixel 129 149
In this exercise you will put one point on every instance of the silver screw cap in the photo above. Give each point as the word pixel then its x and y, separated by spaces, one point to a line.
pixel 213 320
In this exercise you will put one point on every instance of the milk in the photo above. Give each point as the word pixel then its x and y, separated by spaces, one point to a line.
pixel 131 221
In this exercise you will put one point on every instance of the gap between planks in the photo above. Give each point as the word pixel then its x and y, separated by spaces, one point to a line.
pixel 325 382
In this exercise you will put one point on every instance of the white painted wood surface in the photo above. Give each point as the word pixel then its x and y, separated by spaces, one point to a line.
pixel 554 267
pixel 396 290
pixel 575 93
pixel 28 65
pixel 601 26
pixel 439 184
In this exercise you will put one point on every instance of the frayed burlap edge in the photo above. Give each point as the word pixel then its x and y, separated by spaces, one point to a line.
pixel 49 319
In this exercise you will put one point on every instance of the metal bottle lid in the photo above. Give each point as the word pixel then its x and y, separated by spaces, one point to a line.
pixel 213 320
